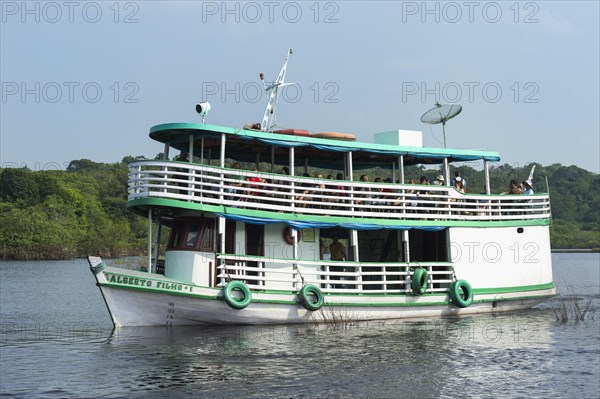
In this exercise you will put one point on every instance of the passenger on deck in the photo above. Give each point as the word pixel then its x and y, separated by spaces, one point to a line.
pixel 281 192
pixel 457 176
pixel 423 181
pixel 319 190
pixel 528 187
pixel 364 193
pixel 329 186
pixel 409 199
pixel 439 181
pixel 340 189
pixel 337 250
pixel 513 188
pixel 385 194
pixel 303 189
pixel 233 187
pixel 338 253
pixel 377 195
pixel 458 185
pixel 255 184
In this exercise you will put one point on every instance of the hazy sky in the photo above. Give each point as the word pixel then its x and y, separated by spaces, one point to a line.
pixel 88 79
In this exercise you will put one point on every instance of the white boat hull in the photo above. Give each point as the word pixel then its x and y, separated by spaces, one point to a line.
pixel 140 299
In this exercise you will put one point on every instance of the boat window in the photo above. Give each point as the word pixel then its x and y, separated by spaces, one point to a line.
pixel 175 237
pixel 193 234
pixel 208 237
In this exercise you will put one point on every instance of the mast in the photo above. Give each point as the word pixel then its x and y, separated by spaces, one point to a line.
pixel 270 119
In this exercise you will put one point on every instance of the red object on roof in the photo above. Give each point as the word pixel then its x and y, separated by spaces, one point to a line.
pixel 293 132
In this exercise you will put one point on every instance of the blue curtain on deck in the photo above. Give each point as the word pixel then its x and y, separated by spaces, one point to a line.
pixel 299 225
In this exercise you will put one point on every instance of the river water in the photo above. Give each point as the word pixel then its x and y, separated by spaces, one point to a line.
pixel 56 340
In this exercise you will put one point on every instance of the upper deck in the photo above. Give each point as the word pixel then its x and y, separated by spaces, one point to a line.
pixel 310 202
pixel 245 145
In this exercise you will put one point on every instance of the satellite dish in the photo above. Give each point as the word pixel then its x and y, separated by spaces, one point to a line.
pixel 440 114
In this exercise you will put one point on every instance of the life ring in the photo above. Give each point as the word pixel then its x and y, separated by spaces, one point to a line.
pixel 234 302
pixel 311 290
pixel 287 235
pixel 419 281
pixel 461 293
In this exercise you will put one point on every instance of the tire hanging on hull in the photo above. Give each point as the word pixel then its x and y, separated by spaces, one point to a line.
pixel 234 302
pixel 311 290
pixel 461 293
pixel 419 280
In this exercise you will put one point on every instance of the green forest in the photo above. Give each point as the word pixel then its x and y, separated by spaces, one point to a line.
pixel 82 210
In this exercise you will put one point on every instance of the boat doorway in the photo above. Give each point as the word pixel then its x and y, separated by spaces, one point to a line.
pixel 428 246
pixel 255 243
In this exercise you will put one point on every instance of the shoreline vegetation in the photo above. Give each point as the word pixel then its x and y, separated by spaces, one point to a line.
pixel 72 213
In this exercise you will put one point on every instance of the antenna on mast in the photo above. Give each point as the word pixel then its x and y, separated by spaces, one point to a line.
pixel 270 119
pixel 440 114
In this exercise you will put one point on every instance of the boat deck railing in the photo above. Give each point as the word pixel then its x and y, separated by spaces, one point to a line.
pixel 331 276
pixel 210 185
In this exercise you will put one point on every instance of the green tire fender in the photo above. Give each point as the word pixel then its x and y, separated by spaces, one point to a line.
pixel 234 302
pixel 461 293
pixel 311 290
pixel 419 280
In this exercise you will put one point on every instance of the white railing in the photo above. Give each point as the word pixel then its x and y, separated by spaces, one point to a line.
pixel 304 195
pixel 332 277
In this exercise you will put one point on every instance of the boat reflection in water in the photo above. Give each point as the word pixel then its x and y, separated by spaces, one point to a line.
pixel 432 357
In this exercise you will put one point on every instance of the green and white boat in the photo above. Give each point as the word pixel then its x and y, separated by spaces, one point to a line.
pixel 249 246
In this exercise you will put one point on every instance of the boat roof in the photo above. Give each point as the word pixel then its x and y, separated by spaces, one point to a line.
pixel 243 145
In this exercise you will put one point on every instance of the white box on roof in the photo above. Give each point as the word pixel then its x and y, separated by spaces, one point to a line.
pixel 404 138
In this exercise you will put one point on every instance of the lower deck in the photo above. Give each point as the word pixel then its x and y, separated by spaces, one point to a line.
pixel 276 258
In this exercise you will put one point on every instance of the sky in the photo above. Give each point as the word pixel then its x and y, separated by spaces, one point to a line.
pixel 89 79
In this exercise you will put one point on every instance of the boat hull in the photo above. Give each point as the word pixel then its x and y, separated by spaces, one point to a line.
pixel 140 299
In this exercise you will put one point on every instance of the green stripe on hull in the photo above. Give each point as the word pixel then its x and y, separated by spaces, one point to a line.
pixel 506 290
pixel 141 204
pixel 483 291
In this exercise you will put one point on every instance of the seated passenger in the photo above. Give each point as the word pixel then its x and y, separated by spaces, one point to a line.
pixel 528 187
